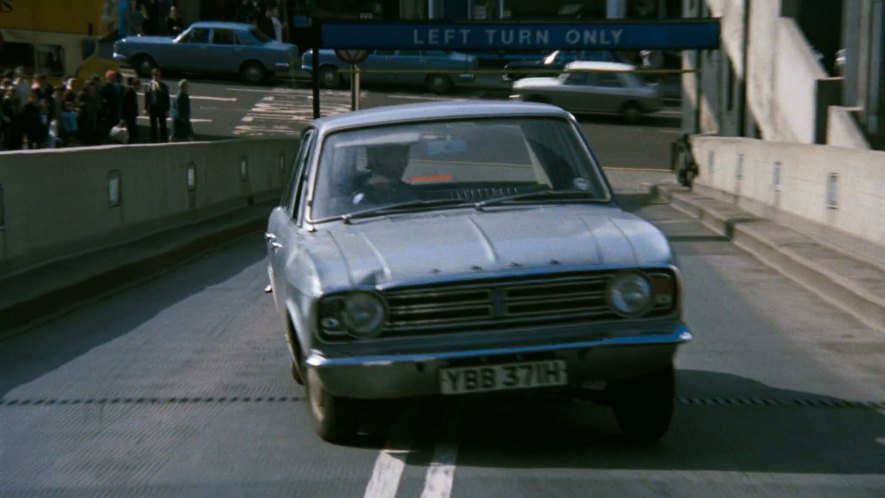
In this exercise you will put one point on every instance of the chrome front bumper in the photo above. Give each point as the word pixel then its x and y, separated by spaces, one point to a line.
pixel 387 376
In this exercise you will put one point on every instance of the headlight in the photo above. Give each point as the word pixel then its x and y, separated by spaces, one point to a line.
pixel 630 294
pixel 360 314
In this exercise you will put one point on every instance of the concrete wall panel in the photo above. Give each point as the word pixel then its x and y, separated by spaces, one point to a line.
pixel 746 168
pixel 56 202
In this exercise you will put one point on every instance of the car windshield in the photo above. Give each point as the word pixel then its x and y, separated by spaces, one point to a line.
pixel 478 162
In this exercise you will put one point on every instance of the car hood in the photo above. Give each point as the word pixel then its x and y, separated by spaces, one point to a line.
pixel 426 246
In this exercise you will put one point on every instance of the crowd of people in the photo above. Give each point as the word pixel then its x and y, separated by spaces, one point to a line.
pixel 36 115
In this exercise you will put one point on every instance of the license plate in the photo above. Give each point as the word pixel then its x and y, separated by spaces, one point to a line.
pixel 522 375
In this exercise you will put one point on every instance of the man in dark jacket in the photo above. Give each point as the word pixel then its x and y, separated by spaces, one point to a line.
pixel 129 108
pixel 156 105
pixel 265 23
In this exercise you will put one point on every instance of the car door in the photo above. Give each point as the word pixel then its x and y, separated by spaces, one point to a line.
pixel 191 52
pixel 223 52
pixel 611 92
pixel 378 60
pixel 413 64
pixel 285 233
pixel 575 93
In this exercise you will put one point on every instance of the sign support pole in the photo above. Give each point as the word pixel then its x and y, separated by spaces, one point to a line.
pixel 355 87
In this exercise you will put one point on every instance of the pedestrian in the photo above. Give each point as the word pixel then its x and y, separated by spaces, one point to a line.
pixel 156 105
pixel 7 116
pixel 68 132
pixel 22 87
pixel 34 121
pixel 129 108
pixel 88 105
pixel 265 23
pixel 12 134
pixel 277 24
pixel 182 130
pixel 174 22
pixel 110 102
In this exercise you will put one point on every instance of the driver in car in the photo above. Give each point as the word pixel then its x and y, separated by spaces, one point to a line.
pixel 385 185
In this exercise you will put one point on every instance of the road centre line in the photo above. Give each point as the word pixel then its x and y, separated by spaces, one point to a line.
pixel 169 118
pixel 390 463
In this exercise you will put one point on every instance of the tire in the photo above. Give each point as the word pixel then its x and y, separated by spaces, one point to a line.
pixel 644 405
pixel 631 112
pixel 330 77
pixel 143 65
pixel 253 72
pixel 335 419
pixel 438 83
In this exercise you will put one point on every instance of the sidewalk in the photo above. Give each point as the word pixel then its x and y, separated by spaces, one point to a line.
pixel 855 285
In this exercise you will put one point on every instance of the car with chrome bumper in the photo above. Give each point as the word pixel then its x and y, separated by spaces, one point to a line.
pixel 455 248
pixel 437 70
pixel 594 87
pixel 222 48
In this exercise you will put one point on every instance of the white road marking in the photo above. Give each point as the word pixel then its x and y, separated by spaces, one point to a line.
pixel 283 112
pixel 169 118
pixel 390 462
pixel 441 473
pixel 202 97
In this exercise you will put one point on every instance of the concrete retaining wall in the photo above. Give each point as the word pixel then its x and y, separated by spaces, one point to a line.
pixel 838 193
pixel 57 203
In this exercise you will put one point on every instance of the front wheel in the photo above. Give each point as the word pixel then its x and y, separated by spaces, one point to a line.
pixel 334 419
pixel 439 83
pixel 631 112
pixel 144 65
pixel 644 405
pixel 330 77
pixel 254 73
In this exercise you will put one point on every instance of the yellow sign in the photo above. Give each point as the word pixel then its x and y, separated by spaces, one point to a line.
pixel 87 17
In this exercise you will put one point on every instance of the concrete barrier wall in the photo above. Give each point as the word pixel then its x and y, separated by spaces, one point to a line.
pixel 56 203
pixel 838 191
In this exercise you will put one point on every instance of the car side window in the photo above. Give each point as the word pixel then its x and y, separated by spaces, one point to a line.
pixel 223 37
pixel 297 186
pixel 245 38
pixel 578 79
pixel 198 35
pixel 610 80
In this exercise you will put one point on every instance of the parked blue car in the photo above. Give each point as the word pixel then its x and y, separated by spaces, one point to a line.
pixel 211 48
pixel 437 70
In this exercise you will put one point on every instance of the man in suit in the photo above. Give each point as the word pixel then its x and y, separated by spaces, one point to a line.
pixel 129 108
pixel 156 105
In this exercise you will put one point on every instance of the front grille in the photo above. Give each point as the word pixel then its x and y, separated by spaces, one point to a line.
pixel 502 303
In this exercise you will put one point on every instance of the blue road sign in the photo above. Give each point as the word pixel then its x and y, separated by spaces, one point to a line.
pixel 659 35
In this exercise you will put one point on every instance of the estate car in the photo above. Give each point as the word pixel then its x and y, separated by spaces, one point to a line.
pixel 455 248
pixel 594 87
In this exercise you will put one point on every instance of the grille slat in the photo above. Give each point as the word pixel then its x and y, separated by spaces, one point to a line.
pixel 502 303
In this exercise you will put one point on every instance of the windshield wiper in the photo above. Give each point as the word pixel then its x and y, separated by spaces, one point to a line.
pixel 401 206
pixel 544 195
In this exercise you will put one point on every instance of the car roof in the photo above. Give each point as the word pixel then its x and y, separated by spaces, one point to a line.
pixel 435 111
pixel 221 24
pixel 599 66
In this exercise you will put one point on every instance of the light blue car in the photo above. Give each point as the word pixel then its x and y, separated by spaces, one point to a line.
pixel 437 70
pixel 210 48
